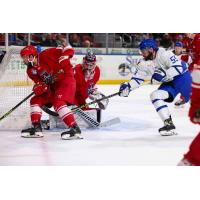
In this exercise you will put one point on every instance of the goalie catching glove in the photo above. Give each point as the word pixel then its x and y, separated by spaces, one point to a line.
pixel 40 88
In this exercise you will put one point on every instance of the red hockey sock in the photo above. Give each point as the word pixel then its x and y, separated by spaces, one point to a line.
pixel 65 114
pixel 36 113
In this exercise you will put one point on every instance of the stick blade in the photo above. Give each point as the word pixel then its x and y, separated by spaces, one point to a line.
pixel 110 122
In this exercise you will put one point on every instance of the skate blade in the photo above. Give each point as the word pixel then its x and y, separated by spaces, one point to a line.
pixel 75 137
pixel 27 135
pixel 168 133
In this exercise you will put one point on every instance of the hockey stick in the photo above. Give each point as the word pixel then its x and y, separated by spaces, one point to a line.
pixel 26 98
pixel 53 113
pixel 93 123
pixel 96 101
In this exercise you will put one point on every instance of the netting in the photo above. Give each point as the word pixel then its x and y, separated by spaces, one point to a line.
pixel 14 86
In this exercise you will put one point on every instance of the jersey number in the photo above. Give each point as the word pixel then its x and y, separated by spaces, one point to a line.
pixel 173 59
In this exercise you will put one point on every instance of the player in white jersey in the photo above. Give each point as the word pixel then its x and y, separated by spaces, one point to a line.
pixel 171 72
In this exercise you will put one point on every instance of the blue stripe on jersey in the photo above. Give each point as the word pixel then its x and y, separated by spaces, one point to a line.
pixel 137 80
pixel 155 100
pixel 161 107
pixel 183 66
pixel 176 68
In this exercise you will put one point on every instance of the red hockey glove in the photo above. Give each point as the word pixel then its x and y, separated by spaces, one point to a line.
pixel 40 88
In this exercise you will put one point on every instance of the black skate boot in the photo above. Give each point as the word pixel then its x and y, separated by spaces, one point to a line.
pixel 168 129
pixel 180 103
pixel 73 133
pixel 33 132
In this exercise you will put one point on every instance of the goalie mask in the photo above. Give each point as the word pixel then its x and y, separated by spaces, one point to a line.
pixel 89 64
pixel 29 55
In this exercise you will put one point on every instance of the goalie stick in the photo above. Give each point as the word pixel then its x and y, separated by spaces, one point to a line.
pixel 26 98
pixel 93 123
pixel 53 113
pixel 77 110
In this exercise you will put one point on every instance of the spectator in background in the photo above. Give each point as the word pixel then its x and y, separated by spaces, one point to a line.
pixel 50 40
pixel 2 38
pixel 22 39
pixel 37 38
pixel 86 44
pixel 75 40
pixel 61 40
pixel 166 41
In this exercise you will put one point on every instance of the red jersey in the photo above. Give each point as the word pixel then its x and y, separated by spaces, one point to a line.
pixel 50 61
pixel 187 43
pixel 84 86
pixel 193 155
pixel 196 49
pixel 186 58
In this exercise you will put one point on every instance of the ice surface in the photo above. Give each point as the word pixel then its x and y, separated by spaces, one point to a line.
pixel 135 141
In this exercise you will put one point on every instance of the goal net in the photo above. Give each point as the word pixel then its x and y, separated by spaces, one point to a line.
pixel 14 86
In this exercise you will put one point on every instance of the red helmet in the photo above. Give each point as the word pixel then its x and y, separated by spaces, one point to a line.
pixel 29 50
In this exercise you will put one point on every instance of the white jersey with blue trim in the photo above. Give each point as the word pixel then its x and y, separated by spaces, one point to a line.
pixel 164 59
pixel 170 63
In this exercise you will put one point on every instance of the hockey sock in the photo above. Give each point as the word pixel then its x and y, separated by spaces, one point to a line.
pixel 36 113
pixel 65 114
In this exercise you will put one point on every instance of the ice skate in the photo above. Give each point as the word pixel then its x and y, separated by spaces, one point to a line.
pixel 184 162
pixel 33 132
pixel 180 103
pixel 72 133
pixel 168 129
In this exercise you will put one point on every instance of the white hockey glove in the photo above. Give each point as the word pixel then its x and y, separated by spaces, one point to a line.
pixel 124 89
pixel 97 95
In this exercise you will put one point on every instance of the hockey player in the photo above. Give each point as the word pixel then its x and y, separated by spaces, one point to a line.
pixel 51 87
pixel 194 49
pixel 178 51
pixel 192 157
pixel 167 69
pixel 87 75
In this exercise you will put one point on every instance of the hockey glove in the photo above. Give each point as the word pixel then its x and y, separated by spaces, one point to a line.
pixel 124 89
pixel 40 88
pixel 160 76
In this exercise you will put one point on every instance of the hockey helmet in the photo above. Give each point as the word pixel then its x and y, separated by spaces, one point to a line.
pixel 29 50
pixel 148 43
pixel 178 44
pixel 89 61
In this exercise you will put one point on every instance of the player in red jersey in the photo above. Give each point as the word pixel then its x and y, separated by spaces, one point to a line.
pixel 87 75
pixel 53 76
pixel 192 157
pixel 178 51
